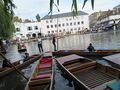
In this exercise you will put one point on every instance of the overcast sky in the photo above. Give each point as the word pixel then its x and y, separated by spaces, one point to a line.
pixel 28 9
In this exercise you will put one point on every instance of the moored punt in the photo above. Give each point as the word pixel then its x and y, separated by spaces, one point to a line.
pixel 114 59
pixel 30 60
pixel 85 52
pixel 41 78
pixel 90 75
pixel 22 50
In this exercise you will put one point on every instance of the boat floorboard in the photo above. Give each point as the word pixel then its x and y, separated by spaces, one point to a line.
pixel 93 77
pixel 74 64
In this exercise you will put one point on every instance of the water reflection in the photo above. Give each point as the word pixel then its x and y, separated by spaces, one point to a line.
pixel 15 81
pixel 107 40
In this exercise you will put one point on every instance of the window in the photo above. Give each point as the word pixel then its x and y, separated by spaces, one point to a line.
pixel 71 24
pixel 71 29
pixel 36 27
pixel 75 28
pixel 46 21
pixel 48 32
pixel 78 23
pixel 74 23
pixel 67 24
pixel 59 25
pixel 52 31
pixel 47 26
pixel 60 31
pixel 29 28
pixel 70 18
pixel 55 25
pixel 18 29
pixel 79 28
pixel 51 21
pixel 66 19
pixel 63 24
pixel 82 22
pixel 51 26
pixel 64 30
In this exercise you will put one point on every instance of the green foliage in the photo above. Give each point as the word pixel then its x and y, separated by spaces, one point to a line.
pixel 38 17
pixel 6 15
pixel 73 7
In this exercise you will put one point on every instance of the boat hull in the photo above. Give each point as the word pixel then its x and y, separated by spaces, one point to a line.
pixel 89 76
pixel 19 66
pixel 85 53
pixel 42 76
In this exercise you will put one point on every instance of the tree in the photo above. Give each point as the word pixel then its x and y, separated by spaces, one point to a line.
pixel 38 17
pixel 6 18
pixel 73 7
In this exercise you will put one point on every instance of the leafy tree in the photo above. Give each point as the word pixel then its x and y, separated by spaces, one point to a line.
pixel 38 17
pixel 6 18
pixel 73 7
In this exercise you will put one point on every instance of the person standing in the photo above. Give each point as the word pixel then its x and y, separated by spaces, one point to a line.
pixel 40 47
pixel 54 43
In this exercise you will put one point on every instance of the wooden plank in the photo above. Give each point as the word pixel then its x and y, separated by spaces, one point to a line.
pixel 113 58
pixel 82 66
pixel 69 58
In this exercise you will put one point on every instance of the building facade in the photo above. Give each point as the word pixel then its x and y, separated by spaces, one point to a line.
pixel 65 23
pixel 27 30
pixel 60 24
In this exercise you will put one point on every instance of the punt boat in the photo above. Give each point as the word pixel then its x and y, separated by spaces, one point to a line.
pixel 113 59
pixel 42 76
pixel 88 75
pixel 7 70
pixel 86 53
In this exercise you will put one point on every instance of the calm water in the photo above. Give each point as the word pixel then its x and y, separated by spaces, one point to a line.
pixel 106 40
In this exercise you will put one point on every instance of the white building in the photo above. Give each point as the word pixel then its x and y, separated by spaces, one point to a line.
pixel 27 30
pixel 65 23
pixel 60 24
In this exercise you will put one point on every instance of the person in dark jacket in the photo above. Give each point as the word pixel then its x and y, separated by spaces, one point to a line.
pixel 54 43
pixel 91 48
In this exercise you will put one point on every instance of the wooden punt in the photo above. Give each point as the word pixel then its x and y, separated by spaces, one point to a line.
pixel 22 50
pixel 89 75
pixel 30 60
pixel 85 52
pixel 42 76
pixel 113 59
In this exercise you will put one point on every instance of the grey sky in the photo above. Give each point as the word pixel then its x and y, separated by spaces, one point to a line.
pixel 27 9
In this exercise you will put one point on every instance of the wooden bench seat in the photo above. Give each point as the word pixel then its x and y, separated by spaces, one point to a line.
pixel 82 66
pixel 42 76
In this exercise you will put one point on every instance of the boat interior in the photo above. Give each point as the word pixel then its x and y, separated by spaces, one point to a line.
pixel 42 75
pixel 95 76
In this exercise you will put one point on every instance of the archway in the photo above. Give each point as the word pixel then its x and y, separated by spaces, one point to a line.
pixel 34 35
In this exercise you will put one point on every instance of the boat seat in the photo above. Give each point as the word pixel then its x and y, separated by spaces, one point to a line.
pixel 45 63
pixel 82 66
pixel 42 76
pixel 41 66
pixel 43 72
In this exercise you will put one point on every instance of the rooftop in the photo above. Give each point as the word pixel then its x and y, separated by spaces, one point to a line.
pixel 118 6
pixel 68 14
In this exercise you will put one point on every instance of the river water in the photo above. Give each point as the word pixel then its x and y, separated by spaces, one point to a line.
pixel 106 40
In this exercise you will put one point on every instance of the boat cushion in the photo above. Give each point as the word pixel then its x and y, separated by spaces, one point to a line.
pixel 41 76
pixel 45 62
